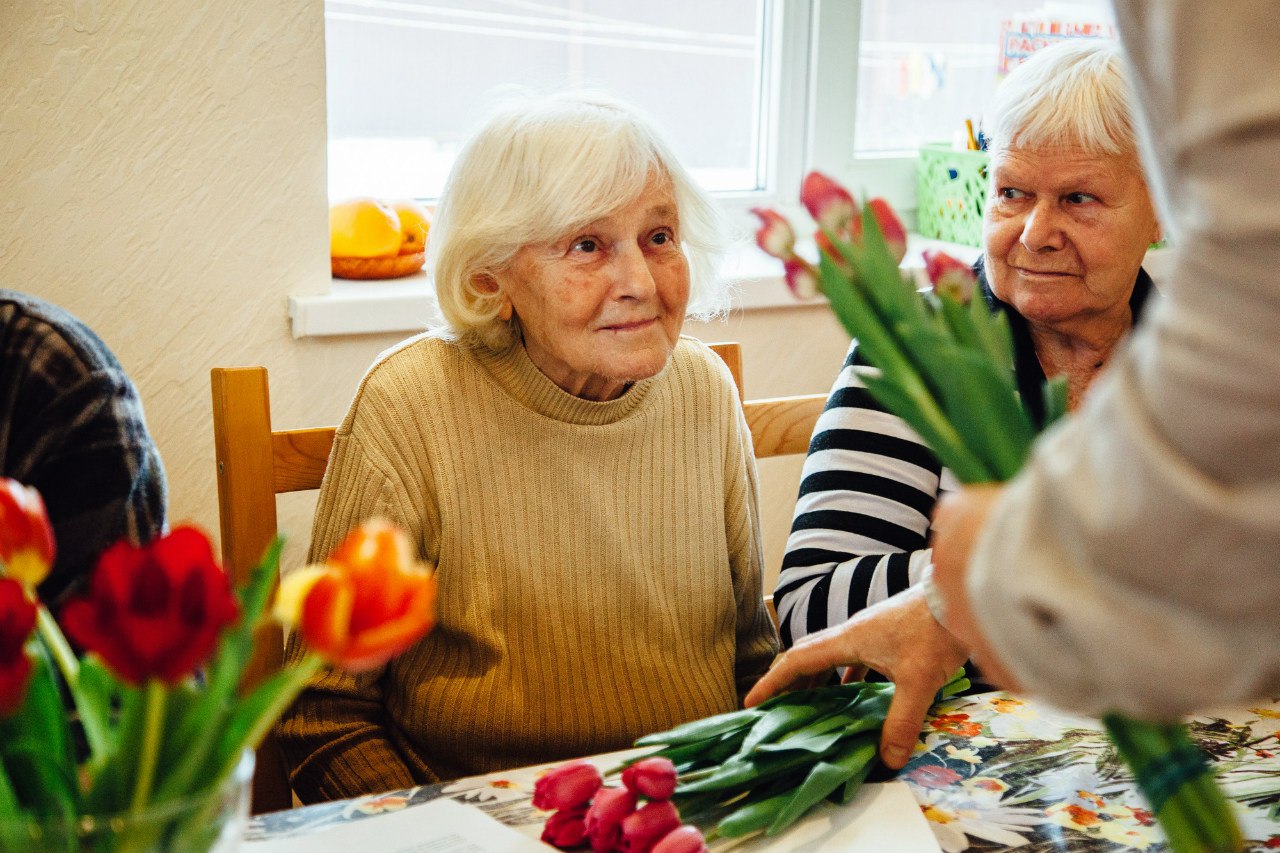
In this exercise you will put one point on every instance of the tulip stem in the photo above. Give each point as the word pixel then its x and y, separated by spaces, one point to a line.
pixel 58 646
pixel 152 724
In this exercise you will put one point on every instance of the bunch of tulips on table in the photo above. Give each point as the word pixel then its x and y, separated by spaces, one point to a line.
pixel 750 772
pixel 159 691
pixel 942 360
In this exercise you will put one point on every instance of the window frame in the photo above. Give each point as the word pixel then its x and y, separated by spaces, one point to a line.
pixel 809 127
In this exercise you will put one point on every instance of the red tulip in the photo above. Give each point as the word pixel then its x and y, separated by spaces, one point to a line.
pixel 648 825
pixel 368 602
pixel 26 539
pixel 654 778
pixel 610 807
pixel 801 277
pixel 155 611
pixel 17 620
pixel 949 276
pixel 566 828
pixel 890 226
pixel 685 839
pixel 775 236
pixel 830 204
pixel 567 786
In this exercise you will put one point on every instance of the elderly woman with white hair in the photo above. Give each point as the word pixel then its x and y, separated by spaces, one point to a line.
pixel 579 474
pixel 1067 223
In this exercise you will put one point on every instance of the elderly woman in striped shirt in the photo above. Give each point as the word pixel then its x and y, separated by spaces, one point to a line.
pixel 1067 224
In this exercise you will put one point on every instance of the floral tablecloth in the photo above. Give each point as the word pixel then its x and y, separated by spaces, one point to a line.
pixel 992 772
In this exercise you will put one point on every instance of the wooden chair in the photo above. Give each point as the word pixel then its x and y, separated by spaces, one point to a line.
pixel 255 463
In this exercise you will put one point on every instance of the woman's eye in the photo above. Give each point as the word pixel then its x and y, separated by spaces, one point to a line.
pixel 1080 198
pixel 586 244
pixel 1011 193
pixel 662 238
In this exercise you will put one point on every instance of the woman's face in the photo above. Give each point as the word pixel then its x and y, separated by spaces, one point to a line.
pixel 602 307
pixel 1065 231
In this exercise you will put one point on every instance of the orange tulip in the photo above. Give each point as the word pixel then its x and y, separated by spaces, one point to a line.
pixel 26 539
pixel 368 602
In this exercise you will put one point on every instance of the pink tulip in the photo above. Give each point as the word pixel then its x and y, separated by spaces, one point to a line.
pixel 802 278
pixel 686 839
pixel 567 786
pixel 648 825
pixel 828 203
pixel 894 234
pixel 949 276
pixel 775 236
pixel 604 819
pixel 566 828
pixel 654 778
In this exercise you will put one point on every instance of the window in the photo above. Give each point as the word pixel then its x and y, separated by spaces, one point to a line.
pixel 408 78
pixel 753 93
pixel 927 65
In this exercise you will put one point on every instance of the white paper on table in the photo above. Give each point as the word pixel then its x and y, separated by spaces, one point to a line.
pixel 440 826
pixel 883 817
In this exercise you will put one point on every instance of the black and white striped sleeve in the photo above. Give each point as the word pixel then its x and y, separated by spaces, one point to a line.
pixel 861 527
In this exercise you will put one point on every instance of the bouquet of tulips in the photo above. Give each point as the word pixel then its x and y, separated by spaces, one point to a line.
pixel 158 692
pixel 942 361
pixel 755 771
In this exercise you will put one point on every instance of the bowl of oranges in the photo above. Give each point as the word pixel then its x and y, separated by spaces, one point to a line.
pixel 370 239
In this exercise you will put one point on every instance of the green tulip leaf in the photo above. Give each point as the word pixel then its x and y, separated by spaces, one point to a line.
pixel 825 777
pixel 703 729
pixel 778 721
pixel 751 816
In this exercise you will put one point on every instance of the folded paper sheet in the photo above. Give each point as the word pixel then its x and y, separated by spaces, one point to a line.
pixel 440 826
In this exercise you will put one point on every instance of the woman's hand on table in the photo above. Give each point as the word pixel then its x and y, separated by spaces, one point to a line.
pixel 956 523
pixel 898 637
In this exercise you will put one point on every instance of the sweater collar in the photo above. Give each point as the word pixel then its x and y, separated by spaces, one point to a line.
pixel 516 374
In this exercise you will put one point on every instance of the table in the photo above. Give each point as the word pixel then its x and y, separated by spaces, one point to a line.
pixel 992 772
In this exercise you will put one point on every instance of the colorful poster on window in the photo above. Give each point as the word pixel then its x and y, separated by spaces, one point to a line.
pixel 1019 39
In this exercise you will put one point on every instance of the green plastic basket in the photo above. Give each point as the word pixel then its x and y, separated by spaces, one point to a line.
pixel 952 191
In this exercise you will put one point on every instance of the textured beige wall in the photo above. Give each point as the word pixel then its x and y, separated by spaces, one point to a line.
pixel 162 176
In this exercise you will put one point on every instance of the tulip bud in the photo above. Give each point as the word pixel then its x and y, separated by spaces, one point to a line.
pixel 801 277
pixel 654 778
pixel 26 539
pixel 370 600
pixel 685 839
pixel 775 236
pixel 949 276
pixel 17 620
pixel 155 611
pixel 566 828
pixel 604 819
pixel 828 203
pixel 890 226
pixel 567 786
pixel 647 825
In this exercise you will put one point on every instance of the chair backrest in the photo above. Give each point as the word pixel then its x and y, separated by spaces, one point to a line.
pixel 255 463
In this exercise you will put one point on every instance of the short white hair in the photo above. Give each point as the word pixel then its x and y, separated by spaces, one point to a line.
pixel 539 168
pixel 1075 93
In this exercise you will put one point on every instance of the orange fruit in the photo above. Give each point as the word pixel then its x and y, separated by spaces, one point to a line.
pixel 363 228
pixel 415 222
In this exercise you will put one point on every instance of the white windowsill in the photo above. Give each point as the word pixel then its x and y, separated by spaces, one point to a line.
pixel 406 304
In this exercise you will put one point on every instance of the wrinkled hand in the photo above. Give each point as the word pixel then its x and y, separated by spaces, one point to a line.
pixel 956 523
pixel 898 637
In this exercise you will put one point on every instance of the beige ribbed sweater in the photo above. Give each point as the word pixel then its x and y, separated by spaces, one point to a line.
pixel 599 566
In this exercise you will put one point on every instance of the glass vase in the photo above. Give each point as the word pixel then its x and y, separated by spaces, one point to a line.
pixel 209 822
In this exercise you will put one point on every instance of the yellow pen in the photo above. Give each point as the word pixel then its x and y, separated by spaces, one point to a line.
pixel 973 140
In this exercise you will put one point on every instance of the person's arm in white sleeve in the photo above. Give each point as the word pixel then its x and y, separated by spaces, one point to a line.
pixel 1134 565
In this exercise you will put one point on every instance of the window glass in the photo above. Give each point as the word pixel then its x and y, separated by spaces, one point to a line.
pixel 927 65
pixel 408 79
